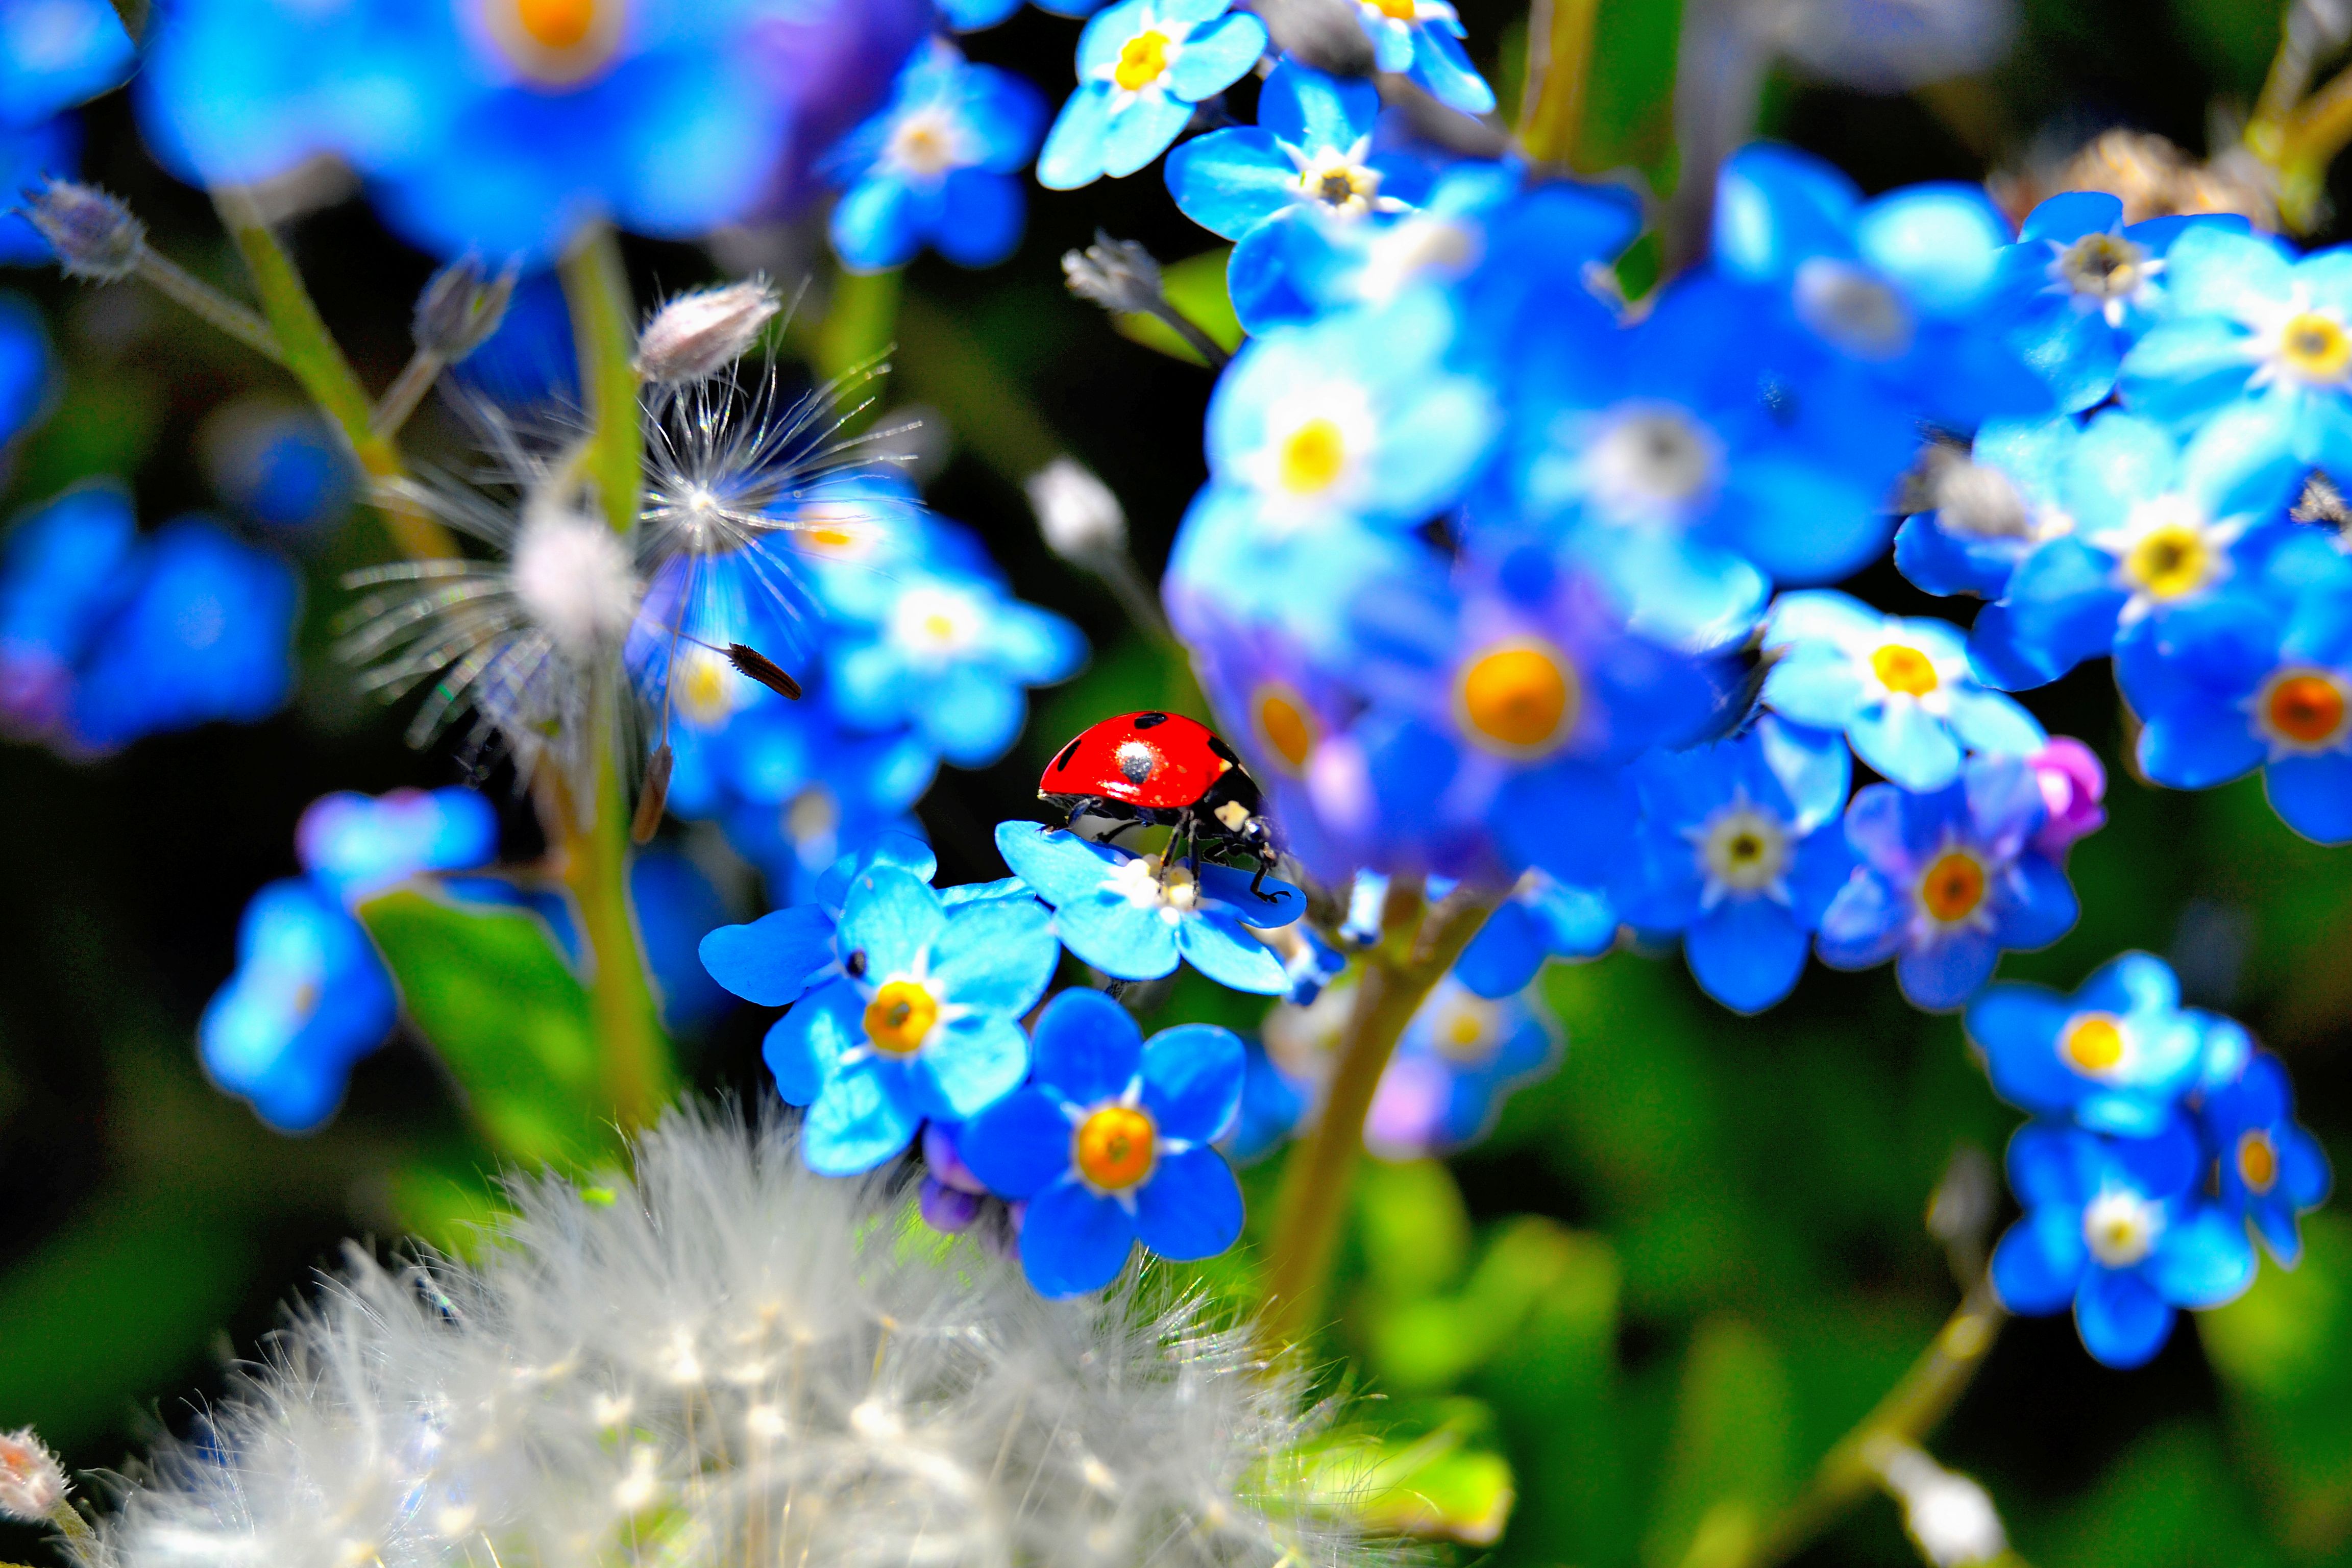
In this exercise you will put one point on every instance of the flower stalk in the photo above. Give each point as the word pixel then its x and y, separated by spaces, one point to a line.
pixel 309 351
pixel 1851 1471
pixel 1417 945
pixel 638 1073
pixel 1560 58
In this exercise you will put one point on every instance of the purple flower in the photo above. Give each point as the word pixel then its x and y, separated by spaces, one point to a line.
pixel 1947 882
pixel 2072 783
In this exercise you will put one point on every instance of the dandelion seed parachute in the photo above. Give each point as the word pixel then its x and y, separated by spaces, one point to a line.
pixel 730 1360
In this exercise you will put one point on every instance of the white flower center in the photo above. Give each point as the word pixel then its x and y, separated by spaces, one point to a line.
pixel 1340 182
pixel 2120 1226
pixel 1651 458
pixel 928 141
pixel 1742 849
pixel 934 622
pixel 1143 884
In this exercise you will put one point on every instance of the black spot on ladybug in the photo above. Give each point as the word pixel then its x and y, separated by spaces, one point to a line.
pixel 1217 744
pixel 1063 762
pixel 1149 720
pixel 855 964
pixel 1138 761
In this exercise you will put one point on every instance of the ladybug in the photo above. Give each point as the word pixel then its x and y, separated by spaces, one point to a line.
pixel 1167 770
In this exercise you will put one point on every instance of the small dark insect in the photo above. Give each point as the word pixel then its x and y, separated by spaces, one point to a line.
pixel 751 662
pixel 653 797
pixel 855 964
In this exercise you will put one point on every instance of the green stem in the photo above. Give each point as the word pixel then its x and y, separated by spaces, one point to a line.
pixel 201 298
pixel 851 347
pixel 943 365
pixel 1911 1409
pixel 604 330
pixel 637 1072
pixel 1560 58
pixel 311 355
pixel 1417 946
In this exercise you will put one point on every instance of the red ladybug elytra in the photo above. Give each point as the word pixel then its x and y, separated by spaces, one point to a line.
pixel 1165 769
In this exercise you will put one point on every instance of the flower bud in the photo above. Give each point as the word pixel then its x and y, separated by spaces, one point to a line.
pixel 1949 1516
pixel 2072 784
pixel 697 335
pixel 1117 274
pixel 1324 34
pixel 32 1484
pixel 94 234
pixel 459 311
pixel 1077 514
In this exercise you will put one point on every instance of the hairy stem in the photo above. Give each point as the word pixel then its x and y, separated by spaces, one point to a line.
pixel 1559 60
pixel 633 1053
pixel 208 303
pixel 1417 946
pixel 308 350
pixel 1848 1473
pixel 604 332
pixel 406 391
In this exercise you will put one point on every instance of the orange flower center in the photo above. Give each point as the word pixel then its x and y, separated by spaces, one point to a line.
pixel 899 1017
pixel 1115 1147
pixel 1140 60
pixel 2092 1044
pixel 2257 1160
pixel 1904 669
pixel 2306 707
pixel 556 24
pixel 1520 698
pixel 1953 886
pixel 1284 726
pixel 1398 10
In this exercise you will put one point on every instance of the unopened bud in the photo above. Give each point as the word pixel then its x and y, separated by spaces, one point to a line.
pixel 1076 513
pixel 1117 274
pixel 32 1483
pixel 1950 1517
pixel 1324 34
pixel 1978 500
pixel 459 308
pixel 94 234
pixel 697 335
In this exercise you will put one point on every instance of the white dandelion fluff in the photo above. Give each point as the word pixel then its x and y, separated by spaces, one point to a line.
pixel 730 1361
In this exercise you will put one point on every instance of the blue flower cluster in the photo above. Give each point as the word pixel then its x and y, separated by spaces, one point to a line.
pixel 2161 1135
pixel 908 647
pixel 905 1007
pixel 309 996
pixel 106 635
pixel 504 127
pixel 54 54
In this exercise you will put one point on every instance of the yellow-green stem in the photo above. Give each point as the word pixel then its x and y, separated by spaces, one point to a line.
pixel 1910 1410
pixel 851 346
pixel 1559 57
pixel 633 1053
pixel 605 333
pixel 1417 946
pixel 311 355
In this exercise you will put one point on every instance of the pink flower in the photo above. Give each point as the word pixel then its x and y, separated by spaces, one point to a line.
pixel 2072 784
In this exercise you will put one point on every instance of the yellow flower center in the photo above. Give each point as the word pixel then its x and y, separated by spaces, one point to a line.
pixel 1397 10
pixel 556 43
pixel 1519 699
pixel 2169 561
pixel 1115 1147
pixel 900 1017
pixel 1903 668
pixel 2104 266
pixel 1953 886
pixel 1466 1032
pixel 2092 1044
pixel 1141 60
pixel 2305 707
pixel 1312 457
pixel 2257 1160
pixel 927 143
pixel 2316 347
pixel 1283 724
pixel 2120 1227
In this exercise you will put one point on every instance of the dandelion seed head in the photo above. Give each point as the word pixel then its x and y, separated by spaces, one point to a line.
pixel 573 577
pixel 871 1396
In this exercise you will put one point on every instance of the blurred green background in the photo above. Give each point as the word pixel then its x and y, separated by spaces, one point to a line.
pixel 1678 1271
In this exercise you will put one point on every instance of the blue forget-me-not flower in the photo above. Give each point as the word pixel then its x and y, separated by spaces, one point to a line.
pixel 1142 65
pixel 2116 1057
pixel 1110 1143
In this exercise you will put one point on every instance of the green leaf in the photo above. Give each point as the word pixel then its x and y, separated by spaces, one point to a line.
pixel 1629 98
pixel 1728 1463
pixel 1431 1471
pixel 508 1018
pixel 2169 1501
pixel 1196 287
pixel 1412 1227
